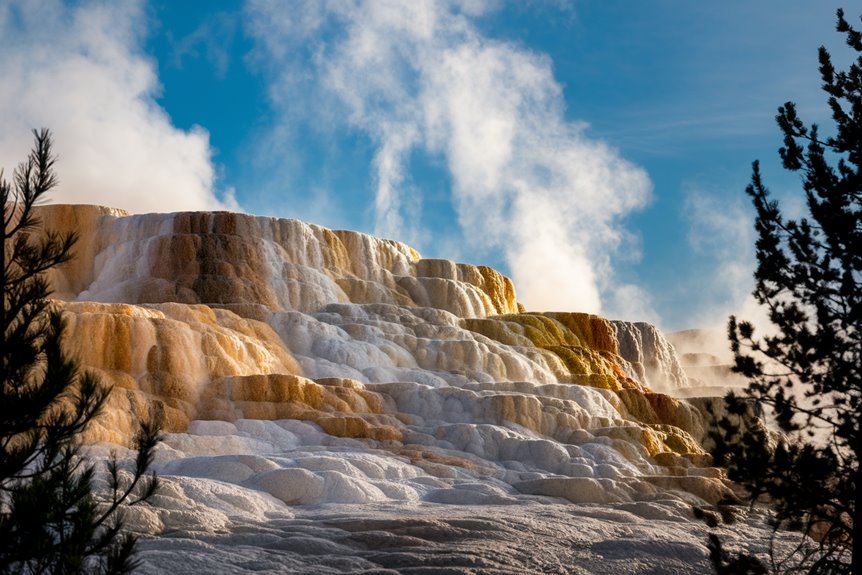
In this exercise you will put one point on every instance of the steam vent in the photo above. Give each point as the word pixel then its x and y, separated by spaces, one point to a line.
pixel 335 403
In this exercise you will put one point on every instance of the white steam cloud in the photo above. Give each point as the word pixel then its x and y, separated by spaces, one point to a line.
pixel 420 77
pixel 80 71
pixel 723 233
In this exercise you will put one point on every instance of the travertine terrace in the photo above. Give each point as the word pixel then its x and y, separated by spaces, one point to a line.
pixel 300 367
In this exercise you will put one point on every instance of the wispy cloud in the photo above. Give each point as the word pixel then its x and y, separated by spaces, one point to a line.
pixel 213 40
pixel 80 71
pixel 420 77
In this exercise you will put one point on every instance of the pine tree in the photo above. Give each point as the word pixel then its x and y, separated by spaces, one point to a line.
pixel 51 520
pixel 807 375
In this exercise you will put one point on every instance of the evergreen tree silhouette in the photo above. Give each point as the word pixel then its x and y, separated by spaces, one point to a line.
pixel 51 520
pixel 806 374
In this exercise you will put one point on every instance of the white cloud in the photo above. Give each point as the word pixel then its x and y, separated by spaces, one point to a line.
pixel 419 77
pixel 80 71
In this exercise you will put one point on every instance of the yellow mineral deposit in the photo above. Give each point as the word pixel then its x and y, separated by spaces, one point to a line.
pixel 342 407
pixel 231 317
pixel 170 352
pixel 585 344
pixel 78 274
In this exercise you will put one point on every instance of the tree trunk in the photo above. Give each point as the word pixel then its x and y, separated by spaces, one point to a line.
pixel 856 556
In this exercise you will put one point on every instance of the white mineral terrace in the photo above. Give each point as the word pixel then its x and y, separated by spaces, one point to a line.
pixel 336 404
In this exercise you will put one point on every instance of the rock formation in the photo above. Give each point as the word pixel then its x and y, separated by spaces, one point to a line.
pixel 410 379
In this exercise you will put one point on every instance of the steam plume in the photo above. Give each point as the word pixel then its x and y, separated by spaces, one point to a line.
pixel 80 71
pixel 420 77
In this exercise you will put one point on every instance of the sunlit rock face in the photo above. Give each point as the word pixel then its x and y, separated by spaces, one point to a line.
pixel 653 357
pixel 229 259
pixel 298 366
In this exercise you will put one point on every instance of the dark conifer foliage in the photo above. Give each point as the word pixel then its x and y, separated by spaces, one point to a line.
pixel 808 373
pixel 51 520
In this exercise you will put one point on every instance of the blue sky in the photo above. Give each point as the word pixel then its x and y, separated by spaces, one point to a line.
pixel 596 151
